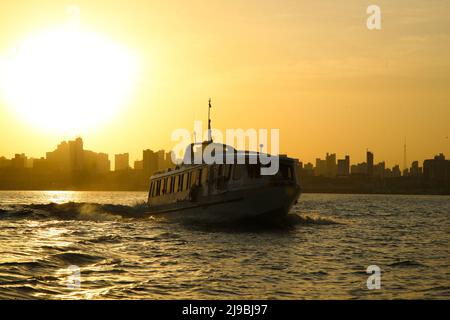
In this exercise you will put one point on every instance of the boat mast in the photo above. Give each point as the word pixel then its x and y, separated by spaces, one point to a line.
pixel 209 121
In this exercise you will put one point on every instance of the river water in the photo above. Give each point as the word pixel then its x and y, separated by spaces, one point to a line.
pixel 101 245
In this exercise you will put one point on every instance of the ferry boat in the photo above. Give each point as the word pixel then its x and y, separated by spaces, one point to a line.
pixel 230 189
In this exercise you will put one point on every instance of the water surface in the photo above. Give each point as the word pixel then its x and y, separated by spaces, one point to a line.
pixel 320 251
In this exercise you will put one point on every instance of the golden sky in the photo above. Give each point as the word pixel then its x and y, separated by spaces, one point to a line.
pixel 310 68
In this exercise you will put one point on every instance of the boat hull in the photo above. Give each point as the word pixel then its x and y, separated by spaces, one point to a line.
pixel 267 203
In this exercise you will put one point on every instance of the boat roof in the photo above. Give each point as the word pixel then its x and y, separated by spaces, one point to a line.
pixel 227 157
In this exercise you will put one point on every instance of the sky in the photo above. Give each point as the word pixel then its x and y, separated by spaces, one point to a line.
pixel 311 69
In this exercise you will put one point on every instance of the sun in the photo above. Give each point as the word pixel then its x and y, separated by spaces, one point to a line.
pixel 67 80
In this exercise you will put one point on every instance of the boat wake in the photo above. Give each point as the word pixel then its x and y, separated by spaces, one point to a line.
pixel 105 212
pixel 285 223
pixel 74 211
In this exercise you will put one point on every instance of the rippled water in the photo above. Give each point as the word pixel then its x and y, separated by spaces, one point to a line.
pixel 320 251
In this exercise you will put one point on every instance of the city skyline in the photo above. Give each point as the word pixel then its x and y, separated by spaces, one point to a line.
pixel 135 154
pixel 122 161
pixel 326 86
pixel 72 167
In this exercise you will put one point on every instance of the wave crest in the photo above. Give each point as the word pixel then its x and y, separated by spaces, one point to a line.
pixel 76 211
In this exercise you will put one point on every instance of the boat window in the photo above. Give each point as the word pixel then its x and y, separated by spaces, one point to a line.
pixel 172 180
pixel 151 189
pixel 158 187
pixel 164 188
pixel 180 182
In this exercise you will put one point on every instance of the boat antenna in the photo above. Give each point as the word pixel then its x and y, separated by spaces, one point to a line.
pixel 209 121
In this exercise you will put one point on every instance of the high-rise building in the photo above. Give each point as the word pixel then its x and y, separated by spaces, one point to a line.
pixel 19 161
pixel 379 170
pixel 321 167
pixel 437 168
pixel 121 161
pixel 415 170
pixel 343 166
pixel 149 162
pixel 396 171
pixel 331 170
pixel 76 155
pixel 96 163
pixel 327 167
pixel 70 157
pixel 59 159
pixel 369 160
pixel 359 169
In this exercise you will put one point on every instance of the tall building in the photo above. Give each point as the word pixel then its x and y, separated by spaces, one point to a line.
pixel 121 162
pixel 327 167
pixel 437 168
pixel 76 155
pixel 149 162
pixel 379 170
pixel 415 170
pixel 396 171
pixel 343 166
pixel 331 170
pixel 161 156
pixel 96 163
pixel 359 169
pixel 321 167
pixel 59 159
pixel 369 160
pixel 19 161
pixel 70 157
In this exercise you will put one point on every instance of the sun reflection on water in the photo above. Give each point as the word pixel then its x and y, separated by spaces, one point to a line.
pixel 59 196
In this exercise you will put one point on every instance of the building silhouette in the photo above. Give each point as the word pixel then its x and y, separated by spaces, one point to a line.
pixel 121 161
pixel 369 159
pixel 331 170
pixel 72 167
pixel 71 158
pixel 343 166
pixel 379 170
pixel 437 169
pixel 149 162
pixel 415 170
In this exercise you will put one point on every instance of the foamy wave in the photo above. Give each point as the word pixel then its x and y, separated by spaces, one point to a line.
pixel 76 211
